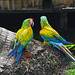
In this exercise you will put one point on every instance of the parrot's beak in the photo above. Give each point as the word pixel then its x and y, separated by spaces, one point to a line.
pixel 32 24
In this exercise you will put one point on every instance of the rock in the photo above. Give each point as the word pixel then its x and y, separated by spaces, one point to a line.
pixel 6 37
pixel 45 60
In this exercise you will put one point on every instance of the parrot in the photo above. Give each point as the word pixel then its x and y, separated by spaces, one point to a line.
pixel 52 37
pixel 23 36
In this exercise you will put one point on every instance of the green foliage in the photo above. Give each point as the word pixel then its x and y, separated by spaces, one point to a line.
pixel 70 72
pixel 71 68
pixel 71 46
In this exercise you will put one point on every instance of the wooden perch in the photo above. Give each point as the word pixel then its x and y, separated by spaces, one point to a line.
pixel 45 60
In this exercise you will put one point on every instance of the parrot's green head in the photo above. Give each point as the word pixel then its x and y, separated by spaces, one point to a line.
pixel 44 22
pixel 27 23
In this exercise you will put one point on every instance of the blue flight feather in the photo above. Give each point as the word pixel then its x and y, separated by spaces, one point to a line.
pixel 18 57
pixel 15 51
pixel 44 38
pixel 57 39
pixel 54 40
pixel 65 42
pixel 11 53
pixel 20 48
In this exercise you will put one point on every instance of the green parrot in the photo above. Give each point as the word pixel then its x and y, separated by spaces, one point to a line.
pixel 23 37
pixel 51 36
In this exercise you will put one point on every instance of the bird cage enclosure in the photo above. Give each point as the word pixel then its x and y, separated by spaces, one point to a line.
pixel 35 4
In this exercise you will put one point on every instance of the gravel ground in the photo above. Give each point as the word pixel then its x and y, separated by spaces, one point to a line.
pixel 48 61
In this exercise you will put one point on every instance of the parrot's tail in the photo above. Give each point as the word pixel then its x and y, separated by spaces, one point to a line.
pixel 13 52
pixel 66 51
pixel 17 50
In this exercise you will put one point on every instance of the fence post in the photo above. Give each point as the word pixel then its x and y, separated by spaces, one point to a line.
pixel 23 4
pixel 6 4
pixel 1 4
pixel 17 4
